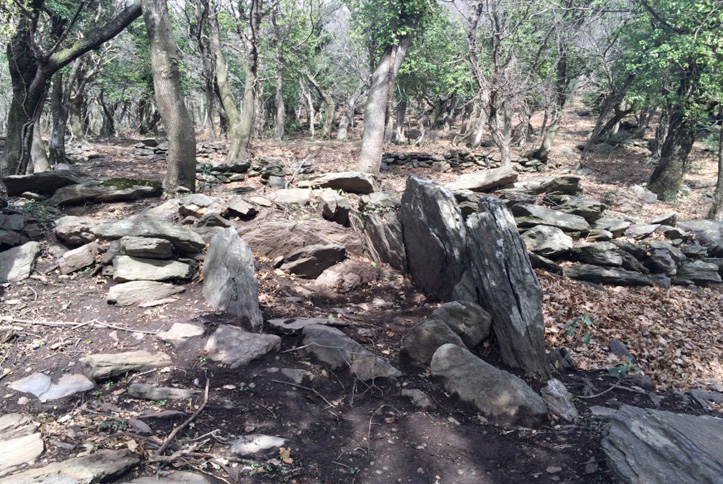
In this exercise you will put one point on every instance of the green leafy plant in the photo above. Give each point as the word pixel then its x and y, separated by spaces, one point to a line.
pixel 624 367
pixel 581 323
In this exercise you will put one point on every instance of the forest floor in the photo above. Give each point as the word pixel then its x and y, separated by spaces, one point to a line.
pixel 341 430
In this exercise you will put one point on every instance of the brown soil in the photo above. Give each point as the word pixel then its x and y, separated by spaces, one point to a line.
pixel 341 430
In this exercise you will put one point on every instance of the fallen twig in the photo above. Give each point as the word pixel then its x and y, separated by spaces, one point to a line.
pixel 172 435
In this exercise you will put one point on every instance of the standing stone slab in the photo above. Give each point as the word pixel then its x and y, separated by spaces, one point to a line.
pixel 500 396
pixel 17 263
pixel 659 447
pixel 229 283
pixel 127 268
pixel 100 466
pixel 103 366
pixel 235 347
pixel 508 287
pixel 434 235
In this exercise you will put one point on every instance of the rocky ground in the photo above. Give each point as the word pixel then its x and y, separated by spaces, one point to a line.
pixel 191 392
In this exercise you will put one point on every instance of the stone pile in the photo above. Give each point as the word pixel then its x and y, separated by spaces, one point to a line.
pixel 456 161
pixel 151 150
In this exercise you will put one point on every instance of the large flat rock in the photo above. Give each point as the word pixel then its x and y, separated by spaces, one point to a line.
pixel 127 268
pixel 109 365
pixel 104 192
pixel 658 447
pixel 45 183
pixel 144 226
pixel 607 275
pixel 528 215
pixel 139 292
pixel 235 347
pixel 350 182
pixel 98 467
pixel 484 180
pixel 17 264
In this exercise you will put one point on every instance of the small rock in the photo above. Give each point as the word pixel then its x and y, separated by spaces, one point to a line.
pixel 554 470
pixel 419 398
pixel 253 444
pixel 179 333
pixel 423 340
pixel 146 247
pixel 151 392
pixel 309 262
pixel 17 264
pixel 139 292
pixel 104 366
pixel 233 346
pixel 559 401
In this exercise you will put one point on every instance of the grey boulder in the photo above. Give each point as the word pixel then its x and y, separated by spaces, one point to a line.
pixel 182 238
pixel 127 268
pixel 235 347
pixel 140 292
pixel 547 241
pixel 350 182
pixel 309 262
pixel 422 340
pixel 467 319
pixel 531 215
pixel 146 247
pixel 17 264
pixel 74 231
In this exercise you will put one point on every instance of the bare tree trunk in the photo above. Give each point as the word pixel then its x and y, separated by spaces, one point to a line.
pixel 348 115
pixel 59 115
pixel 401 115
pixel 108 123
pixel 181 157
pixel 38 153
pixel 246 124
pixel 329 104
pixel 716 209
pixel 668 175
pixel 310 107
pixel 375 113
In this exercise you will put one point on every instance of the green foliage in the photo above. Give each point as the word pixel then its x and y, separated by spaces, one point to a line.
pixel 624 367
pixel 581 323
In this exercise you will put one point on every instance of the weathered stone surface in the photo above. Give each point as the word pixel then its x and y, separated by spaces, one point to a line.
pixel 539 262
pixel 12 221
pixel 79 258
pixel 144 226
pixel 661 260
pixel 350 182
pixel 481 181
pixel 275 239
pixel 547 241
pixel 241 208
pixel 500 396
pixel 697 272
pixel 600 253
pixel 253 444
pixel 104 366
pixel 180 333
pixel 37 384
pixel 100 466
pixel 559 400
pixel 563 185
pixel 146 247
pixel 337 350
pixel 66 386
pixel 235 347
pixel 640 231
pixel 378 223
pixel 176 477
pixel 229 283
pixel 419 398
pixel 507 285
pixel 10 239
pixel 101 192
pixel 434 237
pixel 198 204
pixel 644 194
pixel 607 275
pixel 670 218
pixel 167 211
pixel 532 215
pixel 144 391
pixel 600 235
pixel 467 319
pixel 18 451
pixel 309 262
pixel 127 268
pixel 291 196
pixel 75 231
pixel 616 226
pixel 17 264
pixel 334 207
pixel 422 340
pixel 14 425
pixel 659 447
pixel 708 232
pixel 44 183
pixel 294 326
pixel 140 292
pixel 590 210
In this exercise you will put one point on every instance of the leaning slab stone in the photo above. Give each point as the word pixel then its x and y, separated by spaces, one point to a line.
pixel 484 180
pixel 607 275
pixel 141 292
pixel 531 215
pixel 235 347
pixel 105 191
pixel 434 237
pixel 507 285
pixel 500 396
pixel 309 262
pixel 229 283
pixel 104 366
pixel 472 323
pixel 176 477
pixel 100 466
pixel 144 391
pixel 658 447
pixel 146 247
pixel 45 183
pixel 253 444
pixel 334 207
pixel 350 182
pixel 79 258
pixel 559 400
pixel 74 231
pixel 17 264
pixel 241 208
pixel 127 268
pixel 422 340
pixel 337 350
pixel 378 223
pixel 180 333
pixel 144 226
pixel 547 241
pixel 18 451
pixel 640 231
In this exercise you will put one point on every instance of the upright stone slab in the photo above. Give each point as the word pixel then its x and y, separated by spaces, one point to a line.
pixel 434 234
pixel 508 287
pixel 17 264
pixel 229 283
